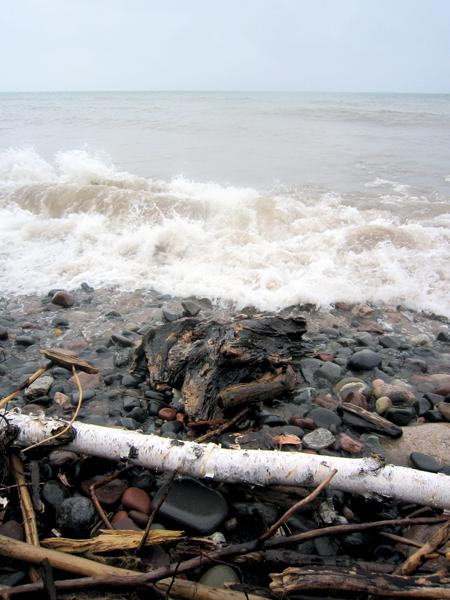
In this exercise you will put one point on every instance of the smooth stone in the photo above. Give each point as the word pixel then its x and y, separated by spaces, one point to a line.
pixel 129 381
pixel 54 494
pixel 108 493
pixel 318 439
pixel 193 505
pixel 306 395
pixel 350 444
pixel 40 387
pixel 309 366
pixel 129 423
pixel 416 364
pixel 191 309
pixel 138 414
pixel 364 360
pixel 439 383
pixel 59 458
pixel 60 322
pixel 140 518
pixel 330 372
pixel 130 402
pixel 87 395
pixel 121 340
pixel 372 443
pixel 169 317
pixel 398 391
pixel 424 462
pixel 171 427
pixel 400 416
pixel 218 575
pixel 63 298
pixel 154 395
pixel 390 341
pixel 76 516
pixel 324 417
pixel 25 340
pixel 422 406
pixel 167 413
pixel 383 404
pixel 135 498
pixel 121 514
pixel 445 470
pixel 12 529
pixel 421 339
pixel 428 438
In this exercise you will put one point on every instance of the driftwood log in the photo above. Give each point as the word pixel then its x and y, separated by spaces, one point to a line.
pixel 219 366
pixel 367 476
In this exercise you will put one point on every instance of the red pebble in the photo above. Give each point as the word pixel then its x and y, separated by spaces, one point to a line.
pixel 136 499
pixel 119 516
pixel 167 413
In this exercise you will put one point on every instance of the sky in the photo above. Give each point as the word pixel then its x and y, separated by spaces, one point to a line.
pixel 305 45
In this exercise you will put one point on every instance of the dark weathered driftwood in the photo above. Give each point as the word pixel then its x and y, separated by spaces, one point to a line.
pixel 222 365
pixel 360 418
pixel 296 579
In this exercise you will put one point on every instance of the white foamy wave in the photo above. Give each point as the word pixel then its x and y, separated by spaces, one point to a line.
pixel 80 219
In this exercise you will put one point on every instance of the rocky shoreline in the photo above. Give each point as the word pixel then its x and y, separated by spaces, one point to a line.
pixel 371 380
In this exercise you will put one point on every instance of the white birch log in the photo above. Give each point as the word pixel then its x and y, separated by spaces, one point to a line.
pixel 365 476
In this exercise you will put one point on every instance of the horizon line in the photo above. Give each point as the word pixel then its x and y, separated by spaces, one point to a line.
pixel 221 91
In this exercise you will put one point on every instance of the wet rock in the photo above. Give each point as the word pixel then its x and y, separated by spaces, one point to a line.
pixel 63 298
pixel 169 316
pixel 137 499
pixel 439 383
pixel 428 438
pixel 40 387
pixel 398 391
pixel 140 518
pixel 167 413
pixel 193 506
pixel 60 458
pixel 350 388
pixel 3 334
pixel 54 494
pixel 125 524
pixel 138 414
pixel 12 529
pixel 424 462
pixel 390 341
pixel 400 416
pixel 350 444
pixel 422 406
pixel 121 514
pixel 76 517
pixel 330 372
pixel 324 417
pixel 309 366
pixel 190 309
pixel 319 439
pixel 121 340
pixel 25 340
pixel 129 381
pixel 364 360
pixel 383 404
pixel 108 493
pixel 218 575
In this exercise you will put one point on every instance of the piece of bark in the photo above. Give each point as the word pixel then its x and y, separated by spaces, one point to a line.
pixel 361 418
pixel 206 360
pixel 68 359
pixel 257 467
pixel 301 579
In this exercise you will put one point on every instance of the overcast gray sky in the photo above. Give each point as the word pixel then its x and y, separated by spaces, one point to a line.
pixel 319 45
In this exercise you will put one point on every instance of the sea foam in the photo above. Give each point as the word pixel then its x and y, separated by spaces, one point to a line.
pixel 78 218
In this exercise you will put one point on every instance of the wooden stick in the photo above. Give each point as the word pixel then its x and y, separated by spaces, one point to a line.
pixel 63 430
pixel 297 506
pixel 297 579
pixel 413 562
pixel 26 507
pixel 22 386
pixel 222 427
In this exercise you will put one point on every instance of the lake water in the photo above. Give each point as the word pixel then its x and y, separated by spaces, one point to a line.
pixel 256 198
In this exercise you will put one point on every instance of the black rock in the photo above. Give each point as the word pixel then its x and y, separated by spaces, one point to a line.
pixel 3 333
pixel 265 514
pixel 121 340
pixel 326 546
pixel 445 470
pixel 138 414
pixel 172 427
pixel 443 336
pixel 191 309
pixel 400 416
pixel 329 371
pixel 154 395
pixel 113 314
pixel 129 381
pixel 130 402
pixel 324 417
pixel 424 462
pixel 422 406
pixel 170 316
pixel 364 360
pixel 25 340
pixel 54 494
pixel 60 322
pixel 76 516
pixel 193 506
pixel 129 423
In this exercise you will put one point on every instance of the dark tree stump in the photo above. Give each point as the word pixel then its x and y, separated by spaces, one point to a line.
pixel 220 366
